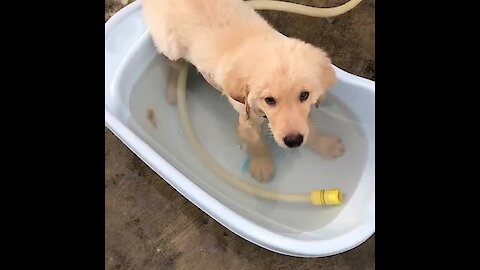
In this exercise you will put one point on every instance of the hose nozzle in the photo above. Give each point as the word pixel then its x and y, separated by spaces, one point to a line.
pixel 326 197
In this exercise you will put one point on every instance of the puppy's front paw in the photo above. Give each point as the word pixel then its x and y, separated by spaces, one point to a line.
pixel 261 168
pixel 330 147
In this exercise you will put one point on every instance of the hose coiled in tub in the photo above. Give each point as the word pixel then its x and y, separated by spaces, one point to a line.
pixel 315 197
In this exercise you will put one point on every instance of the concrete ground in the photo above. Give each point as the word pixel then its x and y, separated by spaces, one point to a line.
pixel 148 225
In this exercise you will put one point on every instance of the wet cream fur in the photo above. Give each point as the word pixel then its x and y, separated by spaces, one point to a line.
pixel 242 56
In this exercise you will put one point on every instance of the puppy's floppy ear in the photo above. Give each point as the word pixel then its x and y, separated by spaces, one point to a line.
pixel 327 75
pixel 238 90
pixel 327 80
pixel 319 100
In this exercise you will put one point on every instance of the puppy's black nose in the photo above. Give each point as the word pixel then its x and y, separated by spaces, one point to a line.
pixel 293 141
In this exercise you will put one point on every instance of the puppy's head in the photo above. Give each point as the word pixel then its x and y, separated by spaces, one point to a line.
pixel 282 80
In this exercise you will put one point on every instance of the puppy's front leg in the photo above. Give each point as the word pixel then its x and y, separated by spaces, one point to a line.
pixel 261 163
pixel 328 146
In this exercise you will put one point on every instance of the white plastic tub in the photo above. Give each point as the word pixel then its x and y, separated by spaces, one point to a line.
pixel 135 77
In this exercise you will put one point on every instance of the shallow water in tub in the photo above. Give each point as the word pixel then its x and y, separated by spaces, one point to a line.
pixel 300 170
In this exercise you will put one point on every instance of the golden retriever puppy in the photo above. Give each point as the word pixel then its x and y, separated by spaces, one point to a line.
pixel 264 74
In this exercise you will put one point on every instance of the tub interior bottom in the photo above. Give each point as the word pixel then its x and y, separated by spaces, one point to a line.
pixel 299 170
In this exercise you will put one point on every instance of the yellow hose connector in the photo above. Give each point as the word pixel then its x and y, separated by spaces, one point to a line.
pixel 326 197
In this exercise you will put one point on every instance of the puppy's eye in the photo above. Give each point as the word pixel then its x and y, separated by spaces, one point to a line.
pixel 270 101
pixel 304 95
